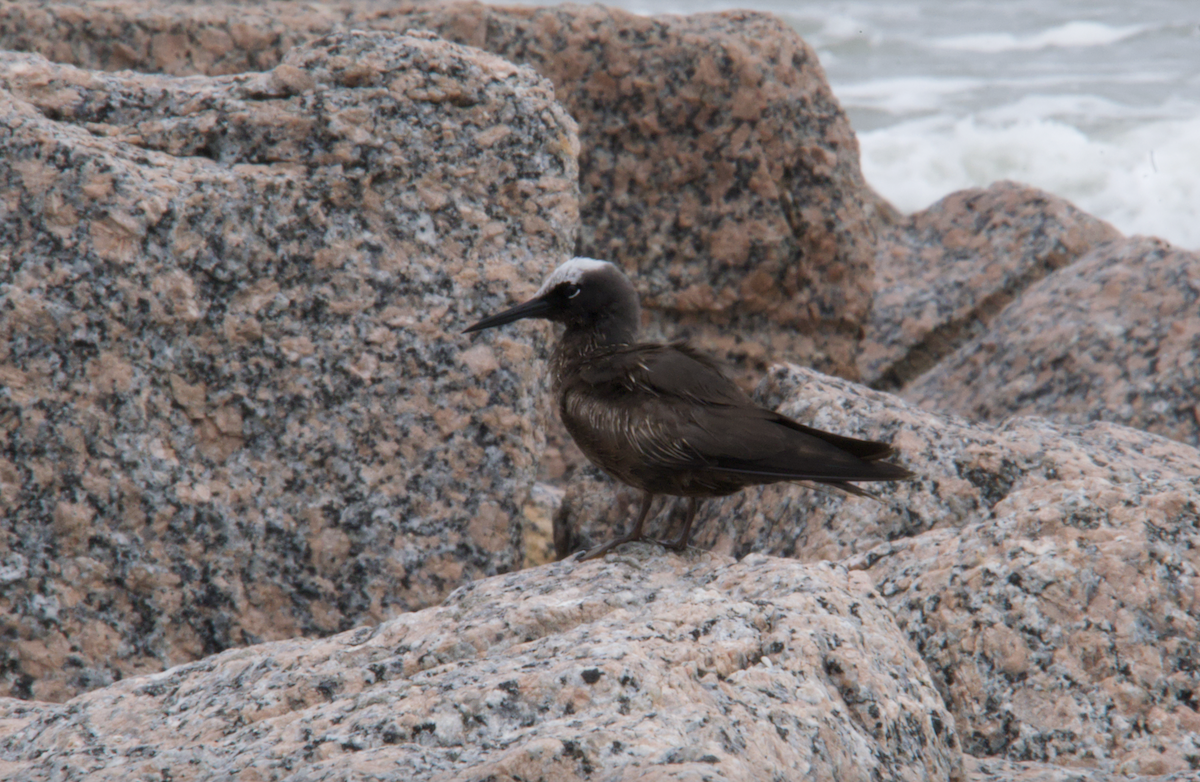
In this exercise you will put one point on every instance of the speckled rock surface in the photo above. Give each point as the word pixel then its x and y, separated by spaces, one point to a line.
pixel 641 667
pixel 211 433
pixel 234 404
pixel 1113 337
pixel 943 273
pixel 176 39
pixel 717 168
pixel 538 523
pixel 716 165
pixel 1046 572
pixel 999 770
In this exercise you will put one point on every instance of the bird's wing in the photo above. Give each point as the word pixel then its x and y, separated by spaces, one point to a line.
pixel 759 443
pixel 668 372
pixel 678 410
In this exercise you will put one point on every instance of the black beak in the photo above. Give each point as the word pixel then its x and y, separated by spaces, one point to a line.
pixel 534 308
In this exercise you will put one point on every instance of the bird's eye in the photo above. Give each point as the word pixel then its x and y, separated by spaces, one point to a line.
pixel 571 290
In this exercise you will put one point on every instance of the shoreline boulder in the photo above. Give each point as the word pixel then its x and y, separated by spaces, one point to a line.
pixel 235 405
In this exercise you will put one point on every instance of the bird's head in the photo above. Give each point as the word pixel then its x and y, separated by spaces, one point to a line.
pixel 585 295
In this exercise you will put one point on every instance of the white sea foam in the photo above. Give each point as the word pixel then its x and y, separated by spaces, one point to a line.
pixel 1071 34
pixel 910 95
pixel 1142 180
pixel 1099 105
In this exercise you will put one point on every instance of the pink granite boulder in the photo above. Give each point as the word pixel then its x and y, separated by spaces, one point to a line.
pixel 642 667
pixel 716 165
pixel 1113 337
pixel 234 403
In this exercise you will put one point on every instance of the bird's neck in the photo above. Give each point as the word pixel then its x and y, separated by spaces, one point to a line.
pixel 579 345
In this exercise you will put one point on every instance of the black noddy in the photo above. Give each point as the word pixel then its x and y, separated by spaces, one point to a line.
pixel 664 418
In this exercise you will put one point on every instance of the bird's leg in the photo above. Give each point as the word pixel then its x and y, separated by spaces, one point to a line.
pixel 633 534
pixel 681 542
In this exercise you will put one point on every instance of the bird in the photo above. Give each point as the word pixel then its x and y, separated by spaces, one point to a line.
pixel 665 418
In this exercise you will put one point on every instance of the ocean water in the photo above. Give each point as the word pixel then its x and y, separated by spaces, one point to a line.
pixel 1097 101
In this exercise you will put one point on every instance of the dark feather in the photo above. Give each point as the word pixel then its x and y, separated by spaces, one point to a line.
pixel 673 371
pixel 661 410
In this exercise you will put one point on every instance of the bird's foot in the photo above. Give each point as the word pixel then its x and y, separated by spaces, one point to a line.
pixel 603 549
pixel 685 535
pixel 633 535
pixel 678 544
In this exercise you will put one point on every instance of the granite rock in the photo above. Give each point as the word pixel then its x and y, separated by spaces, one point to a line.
pixel 716 166
pixel 538 523
pixel 1046 572
pixel 211 435
pixel 175 39
pixel 234 404
pixel 1114 337
pixel 943 273
pixel 641 667
pixel 1000 770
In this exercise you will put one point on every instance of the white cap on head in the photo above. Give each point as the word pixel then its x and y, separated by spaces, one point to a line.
pixel 572 271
